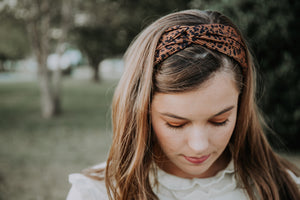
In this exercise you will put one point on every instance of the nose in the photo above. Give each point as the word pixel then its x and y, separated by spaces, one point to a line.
pixel 198 140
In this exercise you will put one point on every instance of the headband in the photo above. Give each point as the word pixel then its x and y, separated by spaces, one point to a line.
pixel 221 38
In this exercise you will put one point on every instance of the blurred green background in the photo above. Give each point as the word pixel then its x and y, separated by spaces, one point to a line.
pixel 61 60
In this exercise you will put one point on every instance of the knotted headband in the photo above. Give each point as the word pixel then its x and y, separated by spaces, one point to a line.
pixel 217 37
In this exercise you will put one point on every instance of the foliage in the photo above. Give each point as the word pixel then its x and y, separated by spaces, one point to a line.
pixel 138 14
pixel 14 42
pixel 272 29
pixel 40 19
pixel 97 36
pixel 113 24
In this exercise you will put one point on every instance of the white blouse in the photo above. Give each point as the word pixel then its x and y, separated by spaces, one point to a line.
pixel 222 186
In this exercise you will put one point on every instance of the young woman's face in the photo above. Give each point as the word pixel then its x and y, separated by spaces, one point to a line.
pixel 194 128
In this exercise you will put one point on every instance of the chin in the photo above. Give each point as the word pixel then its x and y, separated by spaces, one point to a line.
pixel 198 174
pixel 193 171
pixel 203 170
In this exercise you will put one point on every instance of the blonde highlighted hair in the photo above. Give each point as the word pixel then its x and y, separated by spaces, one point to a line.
pixel 262 172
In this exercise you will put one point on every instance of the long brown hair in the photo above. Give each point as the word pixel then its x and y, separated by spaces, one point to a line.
pixel 262 172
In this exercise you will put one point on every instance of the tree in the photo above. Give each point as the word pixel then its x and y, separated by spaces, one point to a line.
pixel 111 25
pixel 98 43
pixel 99 33
pixel 14 43
pixel 40 19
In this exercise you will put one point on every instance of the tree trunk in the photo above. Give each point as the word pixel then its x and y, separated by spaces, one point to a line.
pixel 66 22
pixel 38 28
pixel 38 32
pixel 56 79
pixel 47 101
pixel 2 66
pixel 57 91
pixel 96 77
pixel 50 95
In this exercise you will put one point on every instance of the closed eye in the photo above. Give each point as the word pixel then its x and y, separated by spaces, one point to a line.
pixel 174 126
pixel 223 123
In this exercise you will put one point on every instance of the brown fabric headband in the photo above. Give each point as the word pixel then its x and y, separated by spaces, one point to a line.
pixel 217 37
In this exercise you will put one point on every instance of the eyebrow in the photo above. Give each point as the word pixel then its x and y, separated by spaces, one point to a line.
pixel 183 118
pixel 223 111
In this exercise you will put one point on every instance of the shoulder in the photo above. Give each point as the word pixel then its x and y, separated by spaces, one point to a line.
pixel 295 178
pixel 85 188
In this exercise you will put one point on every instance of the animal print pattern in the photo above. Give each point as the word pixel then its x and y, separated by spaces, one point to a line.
pixel 217 37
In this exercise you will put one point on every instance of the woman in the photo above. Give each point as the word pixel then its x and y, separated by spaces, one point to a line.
pixel 185 121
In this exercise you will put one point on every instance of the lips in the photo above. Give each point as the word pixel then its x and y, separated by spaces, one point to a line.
pixel 197 160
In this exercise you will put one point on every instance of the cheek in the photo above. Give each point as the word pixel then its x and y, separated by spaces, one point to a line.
pixel 223 135
pixel 167 139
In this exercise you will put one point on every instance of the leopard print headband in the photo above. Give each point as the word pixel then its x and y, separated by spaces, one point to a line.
pixel 217 37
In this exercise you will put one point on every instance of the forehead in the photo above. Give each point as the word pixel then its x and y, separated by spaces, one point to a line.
pixel 214 95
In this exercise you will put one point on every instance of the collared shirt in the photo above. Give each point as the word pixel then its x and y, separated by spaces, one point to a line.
pixel 222 186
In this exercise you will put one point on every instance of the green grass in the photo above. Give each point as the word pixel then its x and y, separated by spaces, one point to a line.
pixel 36 155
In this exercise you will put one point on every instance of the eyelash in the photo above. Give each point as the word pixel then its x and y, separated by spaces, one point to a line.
pixel 220 123
pixel 181 126
pixel 174 127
